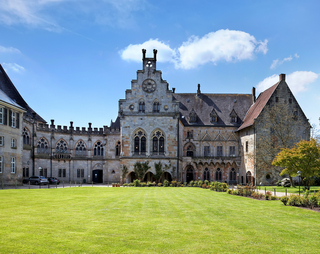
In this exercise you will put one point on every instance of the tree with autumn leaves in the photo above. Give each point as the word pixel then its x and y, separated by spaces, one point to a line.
pixel 303 157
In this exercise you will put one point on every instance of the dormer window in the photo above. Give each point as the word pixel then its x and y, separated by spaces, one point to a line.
pixel 189 134
pixel 233 117
pixel 192 116
pixel 213 116
pixel 142 106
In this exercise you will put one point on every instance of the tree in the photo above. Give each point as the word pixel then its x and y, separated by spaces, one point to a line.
pixel 304 157
pixel 124 172
pixel 140 169
pixel 278 127
pixel 159 171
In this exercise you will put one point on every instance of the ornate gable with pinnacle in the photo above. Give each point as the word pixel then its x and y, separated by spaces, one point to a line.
pixel 193 116
pixel 213 116
pixel 233 117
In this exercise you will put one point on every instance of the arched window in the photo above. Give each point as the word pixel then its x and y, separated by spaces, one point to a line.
pixel 42 146
pixel 81 149
pixel 157 143
pixel 140 142
pixel 156 107
pixel 206 174
pixel 142 106
pixel 233 176
pixel 118 148
pixel 26 136
pixel 98 149
pixel 190 151
pixel 218 174
pixel 61 146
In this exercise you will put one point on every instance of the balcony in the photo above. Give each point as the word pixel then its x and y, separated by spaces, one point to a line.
pixel 79 153
pixel 62 154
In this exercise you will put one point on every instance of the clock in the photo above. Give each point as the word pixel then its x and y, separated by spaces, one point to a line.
pixel 149 85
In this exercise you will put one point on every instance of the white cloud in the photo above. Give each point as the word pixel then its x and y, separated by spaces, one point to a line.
pixel 276 62
pixel 9 50
pixel 134 52
pixel 223 45
pixel 14 67
pixel 298 81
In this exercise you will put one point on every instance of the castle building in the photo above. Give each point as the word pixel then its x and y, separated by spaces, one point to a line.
pixel 193 135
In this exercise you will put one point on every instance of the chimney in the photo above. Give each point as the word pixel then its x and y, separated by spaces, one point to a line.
pixel 155 54
pixel 144 54
pixel 282 77
pixel 253 94
pixel 173 89
pixel 52 123
pixel 198 91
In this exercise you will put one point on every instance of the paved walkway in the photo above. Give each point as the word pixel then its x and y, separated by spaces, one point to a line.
pixel 50 186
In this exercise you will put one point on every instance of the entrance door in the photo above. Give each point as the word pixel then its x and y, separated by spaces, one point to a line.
pixel 189 174
pixel 97 176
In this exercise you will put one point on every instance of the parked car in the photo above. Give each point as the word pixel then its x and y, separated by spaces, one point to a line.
pixel 36 180
pixel 53 180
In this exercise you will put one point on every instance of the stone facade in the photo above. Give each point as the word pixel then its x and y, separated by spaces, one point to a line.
pixel 194 135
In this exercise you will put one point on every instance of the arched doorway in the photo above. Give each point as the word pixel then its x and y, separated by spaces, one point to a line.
pixel 189 176
pixel 97 176
pixel 167 176
pixel 206 174
pixel 149 177
pixel 248 178
pixel 131 177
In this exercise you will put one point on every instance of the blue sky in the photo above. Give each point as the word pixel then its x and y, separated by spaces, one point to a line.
pixel 72 60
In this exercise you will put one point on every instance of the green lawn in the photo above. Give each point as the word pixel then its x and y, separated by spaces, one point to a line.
pixel 289 190
pixel 151 220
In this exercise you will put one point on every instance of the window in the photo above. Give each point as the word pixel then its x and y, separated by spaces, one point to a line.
pixel 98 149
pixel 206 174
pixel 219 151
pixel 81 149
pixel 247 146
pixel 233 175
pixel 1 115
pixel 218 174
pixel 206 151
pixel 60 172
pixel 193 116
pixel 232 151
pixel 190 151
pixel 118 148
pixel 64 172
pixel 82 173
pixel 13 119
pixel 26 136
pixel 25 172
pixel 13 164
pixel 158 143
pixel 43 172
pixel 142 106
pixel 1 140
pixel 213 116
pixel 42 146
pixel 1 163
pixel 139 142
pixel 78 172
pixel 13 143
pixel 61 146
pixel 190 134
pixel 156 107
pixel 233 119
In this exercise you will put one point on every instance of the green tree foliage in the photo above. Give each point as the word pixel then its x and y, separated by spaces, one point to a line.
pixel 159 171
pixel 303 157
pixel 124 172
pixel 140 169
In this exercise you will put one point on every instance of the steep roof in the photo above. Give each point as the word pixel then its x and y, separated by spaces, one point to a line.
pixel 203 104
pixel 11 91
pixel 6 99
pixel 115 124
pixel 257 107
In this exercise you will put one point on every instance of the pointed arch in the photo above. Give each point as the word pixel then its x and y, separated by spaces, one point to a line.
pixel 158 142
pixel 118 148
pixel 61 146
pixel 80 148
pixel 189 149
pixel 156 106
pixel 26 136
pixel 42 146
pixel 98 148
pixel 139 141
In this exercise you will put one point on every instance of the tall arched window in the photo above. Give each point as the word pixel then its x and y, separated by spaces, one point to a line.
pixel 190 151
pixel 218 174
pixel 233 176
pixel 206 174
pixel 142 106
pixel 81 149
pixel 42 146
pixel 118 148
pixel 156 107
pixel 140 142
pixel 26 136
pixel 98 149
pixel 61 146
pixel 157 143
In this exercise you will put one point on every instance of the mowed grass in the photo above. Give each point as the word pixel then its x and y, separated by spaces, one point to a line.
pixel 151 220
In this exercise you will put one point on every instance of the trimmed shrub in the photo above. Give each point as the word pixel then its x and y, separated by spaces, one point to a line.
pixel 229 191
pixel 159 184
pixel 173 183
pixel 165 183
pixel 136 183
pixel 314 201
pixel 206 182
pixel 273 197
pixel 294 200
pixel 200 183
pixel 284 200
pixel 191 184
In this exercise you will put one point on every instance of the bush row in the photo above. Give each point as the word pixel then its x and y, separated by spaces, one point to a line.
pixel 306 200
pixel 249 191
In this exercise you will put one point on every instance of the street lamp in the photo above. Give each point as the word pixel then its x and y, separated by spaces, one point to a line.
pixel 299 174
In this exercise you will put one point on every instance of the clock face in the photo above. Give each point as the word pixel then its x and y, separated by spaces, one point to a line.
pixel 149 85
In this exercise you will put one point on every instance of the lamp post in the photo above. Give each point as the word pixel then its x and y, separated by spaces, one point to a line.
pixel 299 174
